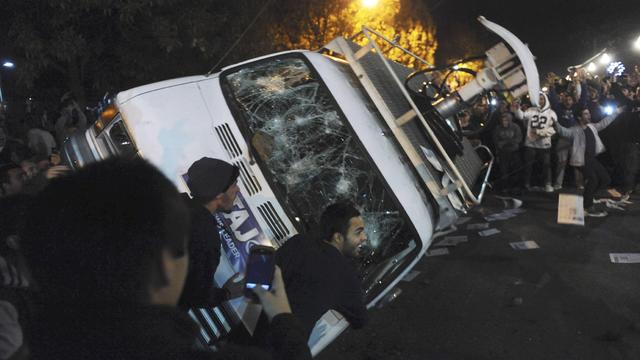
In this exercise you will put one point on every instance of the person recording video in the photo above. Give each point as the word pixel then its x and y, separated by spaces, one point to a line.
pixel 111 274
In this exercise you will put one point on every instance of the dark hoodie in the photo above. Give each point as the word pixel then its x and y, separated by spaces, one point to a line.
pixel 116 331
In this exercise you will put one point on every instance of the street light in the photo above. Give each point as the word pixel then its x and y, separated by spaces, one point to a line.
pixel 8 64
pixel 369 3
pixel 591 67
pixel 605 59
pixel 636 44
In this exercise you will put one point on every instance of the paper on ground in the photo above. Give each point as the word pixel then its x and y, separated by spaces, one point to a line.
pixel 570 209
pixel 625 258
pixel 524 245
pixel 452 240
pixel 489 232
pixel 411 275
pixel 437 252
pixel 478 226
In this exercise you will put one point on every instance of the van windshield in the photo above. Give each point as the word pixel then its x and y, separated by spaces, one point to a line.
pixel 312 158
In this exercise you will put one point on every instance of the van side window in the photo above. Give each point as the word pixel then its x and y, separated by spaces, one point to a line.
pixel 121 140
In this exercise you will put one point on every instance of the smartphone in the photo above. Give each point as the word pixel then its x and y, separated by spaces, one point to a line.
pixel 260 268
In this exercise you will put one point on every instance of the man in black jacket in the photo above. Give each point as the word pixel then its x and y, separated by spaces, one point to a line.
pixel 213 186
pixel 108 247
pixel 317 271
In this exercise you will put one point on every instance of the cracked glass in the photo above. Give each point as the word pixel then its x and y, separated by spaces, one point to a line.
pixel 311 156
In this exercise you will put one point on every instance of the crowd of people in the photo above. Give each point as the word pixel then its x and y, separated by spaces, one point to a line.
pixel 30 145
pixel 586 123
pixel 113 272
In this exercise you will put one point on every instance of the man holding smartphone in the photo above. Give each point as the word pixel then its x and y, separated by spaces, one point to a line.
pixel 110 275
pixel 213 186
pixel 318 273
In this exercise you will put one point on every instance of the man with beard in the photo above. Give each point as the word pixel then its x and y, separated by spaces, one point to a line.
pixel 317 270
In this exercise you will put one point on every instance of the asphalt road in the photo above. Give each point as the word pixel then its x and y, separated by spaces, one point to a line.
pixel 485 300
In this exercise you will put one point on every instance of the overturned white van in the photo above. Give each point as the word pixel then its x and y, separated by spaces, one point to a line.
pixel 307 128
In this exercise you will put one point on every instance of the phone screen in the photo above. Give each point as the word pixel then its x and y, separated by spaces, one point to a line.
pixel 260 269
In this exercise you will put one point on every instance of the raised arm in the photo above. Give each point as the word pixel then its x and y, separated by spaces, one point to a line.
pixel 554 99
pixel 563 131
pixel 602 124
pixel 517 112
pixel 583 97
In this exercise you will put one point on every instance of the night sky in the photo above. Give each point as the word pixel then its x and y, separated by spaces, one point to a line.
pixel 560 33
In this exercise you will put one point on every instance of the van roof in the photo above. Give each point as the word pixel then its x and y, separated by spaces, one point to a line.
pixel 127 95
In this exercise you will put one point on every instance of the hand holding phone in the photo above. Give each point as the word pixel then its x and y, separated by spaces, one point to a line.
pixel 260 270
pixel 274 302
pixel 235 286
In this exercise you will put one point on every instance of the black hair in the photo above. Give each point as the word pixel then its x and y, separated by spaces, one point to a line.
pixel 578 111
pixel 98 235
pixel 335 219
pixel 618 94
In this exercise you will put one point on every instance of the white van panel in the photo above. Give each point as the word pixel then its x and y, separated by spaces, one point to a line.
pixel 171 128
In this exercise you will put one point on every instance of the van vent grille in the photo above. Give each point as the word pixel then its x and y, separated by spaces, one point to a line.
pixel 277 226
pixel 247 177
pixel 215 324
pixel 228 140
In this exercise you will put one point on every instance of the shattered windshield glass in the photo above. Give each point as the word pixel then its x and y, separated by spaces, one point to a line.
pixel 312 158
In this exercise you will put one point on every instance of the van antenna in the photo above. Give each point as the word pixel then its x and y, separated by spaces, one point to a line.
pixel 264 7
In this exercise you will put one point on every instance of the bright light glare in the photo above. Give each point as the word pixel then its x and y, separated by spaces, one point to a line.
pixel 494 101
pixel 545 89
pixel 616 68
pixel 636 44
pixel 8 64
pixel 605 59
pixel 456 67
pixel 369 3
pixel 608 109
pixel 591 67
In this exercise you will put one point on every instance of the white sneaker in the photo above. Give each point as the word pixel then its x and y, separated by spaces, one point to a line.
pixel 593 212
pixel 548 188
